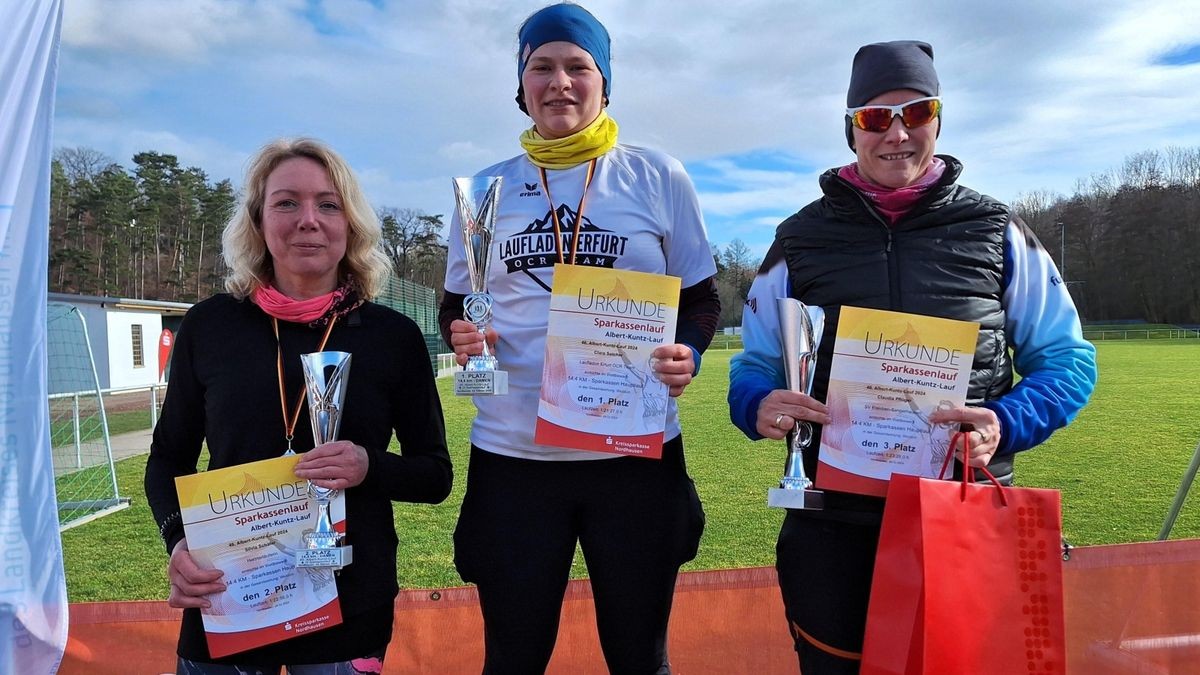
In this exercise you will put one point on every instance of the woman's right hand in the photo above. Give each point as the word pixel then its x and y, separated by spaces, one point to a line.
pixel 781 409
pixel 467 341
pixel 189 582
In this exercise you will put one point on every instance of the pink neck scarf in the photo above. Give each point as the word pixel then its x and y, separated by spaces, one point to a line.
pixel 282 307
pixel 893 203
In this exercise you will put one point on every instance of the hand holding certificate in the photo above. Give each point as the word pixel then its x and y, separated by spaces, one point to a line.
pixel 272 535
pixel 248 521
pixel 890 373
pixel 599 388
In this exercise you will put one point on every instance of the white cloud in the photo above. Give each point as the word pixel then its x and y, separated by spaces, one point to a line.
pixel 464 151
pixel 175 31
pixel 1038 94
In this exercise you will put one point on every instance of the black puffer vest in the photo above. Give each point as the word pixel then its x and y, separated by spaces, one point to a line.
pixel 945 258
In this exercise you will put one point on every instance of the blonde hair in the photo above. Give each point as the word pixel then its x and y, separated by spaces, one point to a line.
pixel 245 250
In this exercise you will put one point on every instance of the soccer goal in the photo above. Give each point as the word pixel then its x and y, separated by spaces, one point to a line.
pixel 85 476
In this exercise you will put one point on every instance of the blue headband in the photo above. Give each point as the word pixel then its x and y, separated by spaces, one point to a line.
pixel 565 23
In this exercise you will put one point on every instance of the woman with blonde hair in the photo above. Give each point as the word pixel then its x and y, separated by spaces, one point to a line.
pixel 304 259
pixel 245 249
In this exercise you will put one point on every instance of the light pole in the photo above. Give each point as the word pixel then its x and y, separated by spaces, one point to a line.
pixel 1062 248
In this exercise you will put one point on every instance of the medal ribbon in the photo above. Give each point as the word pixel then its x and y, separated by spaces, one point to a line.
pixel 587 182
pixel 289 427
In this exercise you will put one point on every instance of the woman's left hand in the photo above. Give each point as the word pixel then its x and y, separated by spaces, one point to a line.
pixel 981 424
pixel 673 365
pixel 337 465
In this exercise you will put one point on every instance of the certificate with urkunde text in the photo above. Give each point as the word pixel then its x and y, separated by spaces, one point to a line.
pixel 248 521
pixel 890 371
pixel 599 390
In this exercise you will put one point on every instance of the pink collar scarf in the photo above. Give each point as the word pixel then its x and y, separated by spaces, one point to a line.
pixel 893 203
pixel 282 307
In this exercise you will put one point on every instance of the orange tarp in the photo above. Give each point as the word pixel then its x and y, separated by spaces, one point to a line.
pixel 1131 608
pixel 724 621
pixel 1134 608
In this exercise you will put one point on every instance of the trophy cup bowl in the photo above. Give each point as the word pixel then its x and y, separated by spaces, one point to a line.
pixel 326 392
pixel 800 329
pixel 475 200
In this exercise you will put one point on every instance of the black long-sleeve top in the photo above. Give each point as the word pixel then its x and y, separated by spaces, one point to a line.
pixel 224 391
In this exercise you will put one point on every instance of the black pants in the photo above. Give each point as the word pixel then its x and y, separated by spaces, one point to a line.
pixel 825 569
pixel 636 520
pixel 369 663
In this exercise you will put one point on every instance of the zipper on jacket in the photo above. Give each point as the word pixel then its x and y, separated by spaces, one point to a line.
pixel 892 263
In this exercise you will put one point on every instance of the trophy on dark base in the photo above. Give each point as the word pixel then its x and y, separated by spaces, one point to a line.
pixel 476 199
pixel 322 546
pixel 799 333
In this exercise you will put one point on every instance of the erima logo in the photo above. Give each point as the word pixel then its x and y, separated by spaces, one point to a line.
pixel 531 190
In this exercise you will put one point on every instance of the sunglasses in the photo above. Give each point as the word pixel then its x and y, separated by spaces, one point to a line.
pixel 878 118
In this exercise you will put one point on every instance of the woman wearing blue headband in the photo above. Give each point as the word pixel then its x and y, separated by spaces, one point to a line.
pixel 637 520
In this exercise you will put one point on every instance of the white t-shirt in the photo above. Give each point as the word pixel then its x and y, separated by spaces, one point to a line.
pixel 641 214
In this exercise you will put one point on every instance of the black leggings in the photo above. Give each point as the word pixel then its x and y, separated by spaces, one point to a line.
pixel 637 520
pixel 369 664
pixel 825 569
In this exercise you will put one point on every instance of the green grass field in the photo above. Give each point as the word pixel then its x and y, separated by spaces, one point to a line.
pixel 61 431
pixel 1118 467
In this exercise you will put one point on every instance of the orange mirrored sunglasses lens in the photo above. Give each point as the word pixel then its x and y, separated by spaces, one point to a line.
pixel 873 119
pixel 920 114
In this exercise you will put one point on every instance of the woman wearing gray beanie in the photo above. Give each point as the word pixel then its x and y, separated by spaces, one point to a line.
pixel 577 196
pixel 896 231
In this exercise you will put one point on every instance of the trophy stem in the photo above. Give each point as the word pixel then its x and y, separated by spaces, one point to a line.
pixel 794 475
pixel 487 353
pixel 323 532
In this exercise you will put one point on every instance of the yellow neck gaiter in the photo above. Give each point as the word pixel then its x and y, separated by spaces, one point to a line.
pixel 591 141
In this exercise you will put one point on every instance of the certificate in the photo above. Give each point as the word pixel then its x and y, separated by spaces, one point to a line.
pixel 599 391
pixel 248 521
pixel 889 372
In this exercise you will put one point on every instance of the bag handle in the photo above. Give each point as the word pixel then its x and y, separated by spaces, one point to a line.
pixel 967 472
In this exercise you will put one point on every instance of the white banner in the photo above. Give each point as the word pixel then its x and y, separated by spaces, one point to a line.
pixel 33 593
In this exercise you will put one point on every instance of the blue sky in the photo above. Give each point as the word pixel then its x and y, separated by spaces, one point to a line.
pixel 1038 95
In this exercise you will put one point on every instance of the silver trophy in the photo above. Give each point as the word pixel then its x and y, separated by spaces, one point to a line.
pixel 476 199
pixel 800 329
pixel 326 392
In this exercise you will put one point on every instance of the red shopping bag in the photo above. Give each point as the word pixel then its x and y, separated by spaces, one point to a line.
pixel 968 579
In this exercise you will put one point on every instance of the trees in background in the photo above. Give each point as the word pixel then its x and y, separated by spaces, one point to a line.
pixel 1127 241
pixel 736 267
pixel 411 238
pixel 152 233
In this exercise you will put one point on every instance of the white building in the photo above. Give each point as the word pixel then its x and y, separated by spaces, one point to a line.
pixel 125 336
